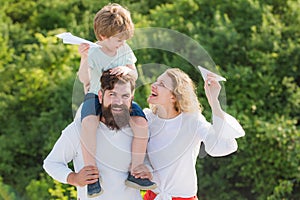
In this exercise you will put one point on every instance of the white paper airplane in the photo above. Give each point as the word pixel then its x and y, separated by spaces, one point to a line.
pixel 68 38
pixel 204 73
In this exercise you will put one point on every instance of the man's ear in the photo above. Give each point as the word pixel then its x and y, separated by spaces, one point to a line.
pixel 100 96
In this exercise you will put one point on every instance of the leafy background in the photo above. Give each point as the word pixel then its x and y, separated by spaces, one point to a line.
pixel 254 43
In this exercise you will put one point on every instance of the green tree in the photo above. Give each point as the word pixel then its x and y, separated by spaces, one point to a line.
pixel 253 43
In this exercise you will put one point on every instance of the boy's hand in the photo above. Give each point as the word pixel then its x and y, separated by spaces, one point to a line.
pixel 83 49
pixel 141 171
pixel 121 70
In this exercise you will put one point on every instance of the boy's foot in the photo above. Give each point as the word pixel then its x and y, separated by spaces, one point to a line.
pixel 94 189
pixel 139 183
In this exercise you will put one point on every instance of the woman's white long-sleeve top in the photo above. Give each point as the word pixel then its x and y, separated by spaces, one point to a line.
pixel 174 146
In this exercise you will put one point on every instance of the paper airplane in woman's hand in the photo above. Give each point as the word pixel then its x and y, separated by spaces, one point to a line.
pixel 204 73
pixel 68 38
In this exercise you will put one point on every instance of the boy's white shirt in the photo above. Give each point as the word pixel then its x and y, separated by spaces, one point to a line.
pixel 99 62
pixel 113 160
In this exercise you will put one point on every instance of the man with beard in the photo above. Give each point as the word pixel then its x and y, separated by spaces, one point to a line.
pixel 113 154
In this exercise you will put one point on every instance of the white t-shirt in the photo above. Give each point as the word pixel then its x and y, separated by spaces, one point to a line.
pixel 98 62
pixel 113 160
pixel 174 145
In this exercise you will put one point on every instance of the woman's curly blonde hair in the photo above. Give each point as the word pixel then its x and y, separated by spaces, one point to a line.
pixel 184 91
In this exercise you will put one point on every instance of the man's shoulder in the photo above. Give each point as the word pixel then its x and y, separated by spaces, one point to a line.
pixel 73 129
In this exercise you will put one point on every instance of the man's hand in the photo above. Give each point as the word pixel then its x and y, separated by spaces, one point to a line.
pixel 87 175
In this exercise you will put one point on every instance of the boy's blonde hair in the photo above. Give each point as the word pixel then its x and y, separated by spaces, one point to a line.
pixel 184 91
pixel 113 20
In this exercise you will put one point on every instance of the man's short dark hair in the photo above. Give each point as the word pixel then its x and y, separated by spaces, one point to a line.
pixel 108 80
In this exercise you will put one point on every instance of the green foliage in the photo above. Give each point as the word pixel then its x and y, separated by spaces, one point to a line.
pixel 47 188
pixel 282 191
pixel 62 191
pixel 38 189
pixel 255 45
pixel 6 192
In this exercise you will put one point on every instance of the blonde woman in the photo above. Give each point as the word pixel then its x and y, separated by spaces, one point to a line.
pixel 177 129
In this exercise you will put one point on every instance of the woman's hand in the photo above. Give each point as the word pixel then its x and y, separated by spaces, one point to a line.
pixel 212 90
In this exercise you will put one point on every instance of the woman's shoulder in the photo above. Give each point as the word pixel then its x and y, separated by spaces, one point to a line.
pixel 149 114
pixel 194 116
pixel 148 111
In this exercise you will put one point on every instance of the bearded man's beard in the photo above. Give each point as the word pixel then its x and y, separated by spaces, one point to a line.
pixel 116 120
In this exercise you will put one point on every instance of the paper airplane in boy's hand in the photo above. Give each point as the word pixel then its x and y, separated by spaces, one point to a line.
pixel 204 73
pixel 68 38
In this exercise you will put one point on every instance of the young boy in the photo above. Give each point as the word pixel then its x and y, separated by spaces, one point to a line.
pixel 112 27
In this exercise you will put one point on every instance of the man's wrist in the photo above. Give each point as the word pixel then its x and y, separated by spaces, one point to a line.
pixel 71 179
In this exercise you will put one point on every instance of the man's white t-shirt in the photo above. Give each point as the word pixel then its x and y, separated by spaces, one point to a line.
pixel 113 160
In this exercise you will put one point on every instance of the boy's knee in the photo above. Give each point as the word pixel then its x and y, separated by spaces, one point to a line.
pixel 139 121
pixel 90 119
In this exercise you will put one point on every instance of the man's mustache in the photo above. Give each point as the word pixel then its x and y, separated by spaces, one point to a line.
pixel 116 120
pixel 122 106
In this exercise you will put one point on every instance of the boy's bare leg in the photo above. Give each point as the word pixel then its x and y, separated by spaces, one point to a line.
pixel 88 142
pixel 139 127
pixel 88 139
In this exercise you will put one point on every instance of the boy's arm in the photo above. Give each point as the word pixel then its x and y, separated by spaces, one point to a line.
pixel 83 72
pixel 123 70
pixel 144 170
pixel 133 70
